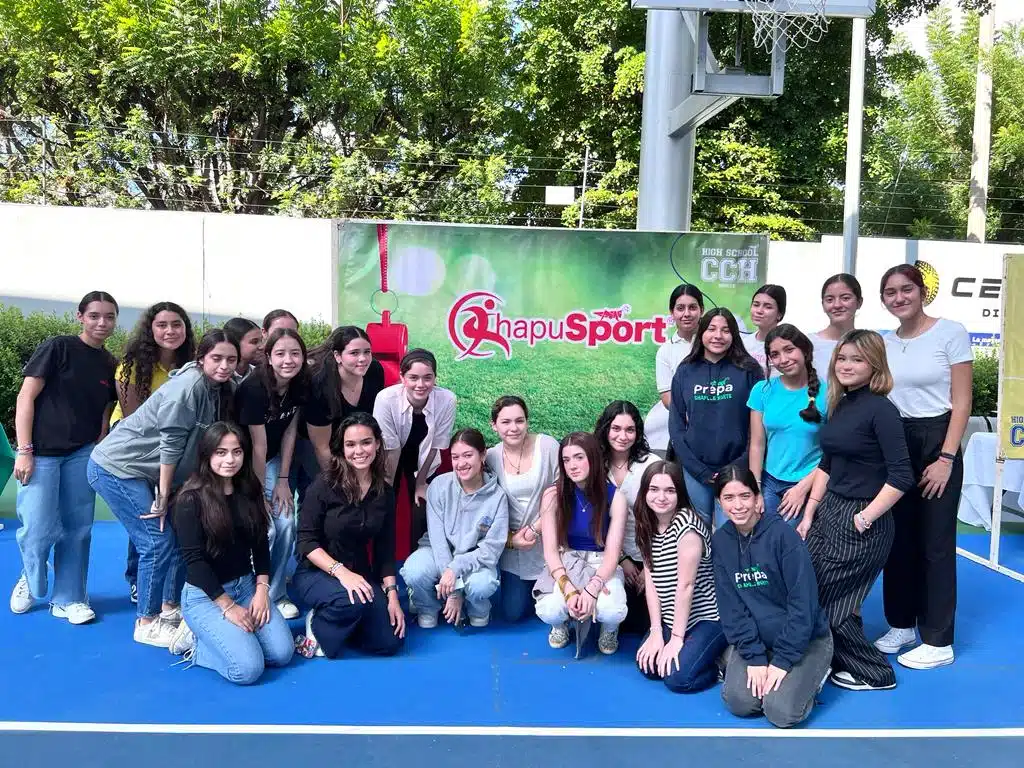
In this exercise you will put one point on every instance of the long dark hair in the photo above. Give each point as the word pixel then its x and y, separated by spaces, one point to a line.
pixel 736 354
pixel 297 387
pixel 774 292
pixel 210 339
pixel 640 449
pixel 206 490
pixel 324 368
pixel 646 520
pixel 798 339
pixel 142 352
pixel 340 474
pixel 596 491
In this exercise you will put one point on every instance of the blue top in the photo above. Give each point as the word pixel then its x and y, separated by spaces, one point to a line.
pixel 767 593
pixel 578 535
pixel 709 422
pixel 792 450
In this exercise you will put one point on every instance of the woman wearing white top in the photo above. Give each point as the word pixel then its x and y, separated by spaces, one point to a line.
pixel 416 418
pixel 931 362
pixel 686 304
pixel 841 297
pixel 767 309
pixel 526 463
pixel 620 432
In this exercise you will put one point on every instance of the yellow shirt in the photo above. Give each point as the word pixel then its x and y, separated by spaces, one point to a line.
pixel 160 375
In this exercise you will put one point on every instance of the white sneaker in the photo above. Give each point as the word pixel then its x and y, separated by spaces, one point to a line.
pixel 479 621
pixel 608 640
pixel 75 613
pixel 927 656
pixel 172 617
pixel 183 641
pixel 287 608
pixel 426 620
pixel 157 633
pixel 310 638
pixel 895 640
pixel 21 597
pixel 413 610
pixel 558 637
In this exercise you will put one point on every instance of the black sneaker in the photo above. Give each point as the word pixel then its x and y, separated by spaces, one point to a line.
pixel 133 592
pixel 851 683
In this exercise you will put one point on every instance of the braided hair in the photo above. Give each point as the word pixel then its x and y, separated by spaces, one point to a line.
pixel 798 339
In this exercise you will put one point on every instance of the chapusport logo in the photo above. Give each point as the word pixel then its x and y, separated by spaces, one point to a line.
pixel 478 329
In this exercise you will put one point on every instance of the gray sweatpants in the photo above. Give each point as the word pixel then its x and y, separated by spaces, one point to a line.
pixel 793 702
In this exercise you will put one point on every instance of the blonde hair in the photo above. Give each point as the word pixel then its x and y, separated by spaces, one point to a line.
pixel 871 346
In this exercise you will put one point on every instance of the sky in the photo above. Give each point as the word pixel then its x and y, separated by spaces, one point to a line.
pixel 1007 12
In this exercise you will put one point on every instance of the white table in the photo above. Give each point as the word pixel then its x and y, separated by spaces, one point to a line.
pixel 980 481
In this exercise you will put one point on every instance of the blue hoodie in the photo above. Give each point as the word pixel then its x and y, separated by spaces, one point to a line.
pixel 709 422
pixel 767 593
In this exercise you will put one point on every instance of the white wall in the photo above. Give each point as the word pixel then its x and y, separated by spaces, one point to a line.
pixel 213 264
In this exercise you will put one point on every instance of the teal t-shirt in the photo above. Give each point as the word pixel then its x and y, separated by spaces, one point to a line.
pixel 792 449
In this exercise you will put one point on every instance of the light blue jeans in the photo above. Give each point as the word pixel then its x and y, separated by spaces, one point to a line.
pixel 56 510
pixel 161 569
pixel 702 497
pixel 281 534
pixel 238 656
pixel 421 574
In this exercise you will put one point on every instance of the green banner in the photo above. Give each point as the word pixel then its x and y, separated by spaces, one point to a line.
pixel 569 320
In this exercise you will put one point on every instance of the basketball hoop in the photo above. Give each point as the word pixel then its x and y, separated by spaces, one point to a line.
pixel 777 19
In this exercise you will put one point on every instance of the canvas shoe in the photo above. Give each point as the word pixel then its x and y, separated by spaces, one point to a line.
pixel 183 641
pixel 895 640
pixel 21 597
pixel 608 640
pixel 287 608
pixel 851 683
pixel 558 637
pixel 426 620
pixel 75 613
pixel 172 617
pixel 927 656
pixel 157 633
pixel 479 621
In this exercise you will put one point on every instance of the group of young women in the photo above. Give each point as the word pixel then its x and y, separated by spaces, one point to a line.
pixel 225 457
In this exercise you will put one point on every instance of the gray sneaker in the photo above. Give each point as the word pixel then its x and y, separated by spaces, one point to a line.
pixel 608 640
pixel 558 637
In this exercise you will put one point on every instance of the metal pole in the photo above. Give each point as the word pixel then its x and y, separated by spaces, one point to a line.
pixel 982 131
pixel 583 194
pixel 666 162
pixel 854 144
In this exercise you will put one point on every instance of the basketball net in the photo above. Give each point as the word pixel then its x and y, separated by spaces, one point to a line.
pixel 800 30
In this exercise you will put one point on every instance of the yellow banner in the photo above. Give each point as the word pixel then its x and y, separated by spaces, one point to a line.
pixel 1011 380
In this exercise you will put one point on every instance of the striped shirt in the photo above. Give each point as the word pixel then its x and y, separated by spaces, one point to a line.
pixel 665 571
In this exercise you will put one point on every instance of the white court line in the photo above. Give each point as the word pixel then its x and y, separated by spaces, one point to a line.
pixel 471 730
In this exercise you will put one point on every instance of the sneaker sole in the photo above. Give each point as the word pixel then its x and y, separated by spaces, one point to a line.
pixel 860 686
pixel 557 645
pixel 60 614
pixel 888 650
pixel 932 665
pixel 19 611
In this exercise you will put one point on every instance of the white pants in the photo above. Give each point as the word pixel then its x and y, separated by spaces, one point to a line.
pixel 611 607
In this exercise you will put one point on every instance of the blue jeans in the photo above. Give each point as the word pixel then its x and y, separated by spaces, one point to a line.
pixel 238 656
pixel 161 570
pixel 56 510
pixel 338 622
pixel 516 597
pixel 281 534
pixel 702 497
pixel 421 574
pixel 703 643
pixel 772 491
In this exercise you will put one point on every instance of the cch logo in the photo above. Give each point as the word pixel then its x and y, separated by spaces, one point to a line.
pixel 1017 431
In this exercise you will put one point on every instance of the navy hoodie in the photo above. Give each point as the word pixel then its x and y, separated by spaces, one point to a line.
pixel 767 593
pixel 709 422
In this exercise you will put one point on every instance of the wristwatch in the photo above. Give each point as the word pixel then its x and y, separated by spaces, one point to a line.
pixel 389 589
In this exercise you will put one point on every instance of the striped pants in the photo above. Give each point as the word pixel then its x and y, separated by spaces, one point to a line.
pixel 846 564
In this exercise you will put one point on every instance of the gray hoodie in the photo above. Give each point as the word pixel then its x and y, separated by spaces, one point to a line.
pixel 466 531
pixel 164 430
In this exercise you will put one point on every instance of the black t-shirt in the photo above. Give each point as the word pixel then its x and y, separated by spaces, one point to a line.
pixel 318 411
pixel 252 404
pixel 79 387
pixel 239 557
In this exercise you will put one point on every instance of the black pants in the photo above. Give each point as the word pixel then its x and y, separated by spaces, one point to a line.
pixel 417 512
pixel 846 563
pixel 131 569
pixel 638 618
pixel 919 587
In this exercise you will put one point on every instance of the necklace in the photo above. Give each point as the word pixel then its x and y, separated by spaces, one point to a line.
pixel 517 466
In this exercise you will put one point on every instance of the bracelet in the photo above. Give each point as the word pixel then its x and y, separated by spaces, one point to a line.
pixel 225 612
pixel 263 584
pixel 947 456
pixel 508 541
pixel 863 520
pixel 600 583
pixel 811 498
pixel 390 588
pixel 334 567
pixel 557 570
pixel 562 581
pixel 677 637
pixel 26 449
pixel 569 596
pixel 590 593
